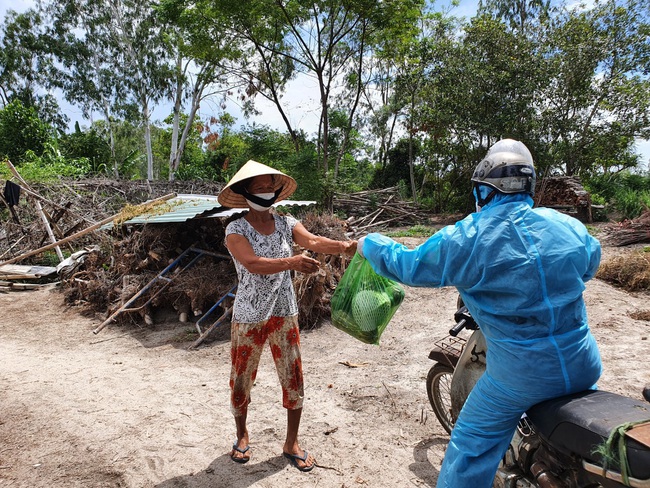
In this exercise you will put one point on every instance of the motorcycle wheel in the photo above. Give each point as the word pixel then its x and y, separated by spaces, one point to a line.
pixel 439 392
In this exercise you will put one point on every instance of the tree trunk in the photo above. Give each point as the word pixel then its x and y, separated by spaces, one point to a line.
pixel 147 136
pixel 196 100
pixel 111 138
pixel 107 116
pixel 411 162
pixel 175 153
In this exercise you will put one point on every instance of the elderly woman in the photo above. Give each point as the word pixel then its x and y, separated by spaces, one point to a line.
pixel 265 308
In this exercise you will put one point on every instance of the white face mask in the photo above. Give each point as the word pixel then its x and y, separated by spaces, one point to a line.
pixel 264 196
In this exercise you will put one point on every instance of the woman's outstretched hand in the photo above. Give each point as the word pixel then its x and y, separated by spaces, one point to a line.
pixel 350 247
pixel 304 264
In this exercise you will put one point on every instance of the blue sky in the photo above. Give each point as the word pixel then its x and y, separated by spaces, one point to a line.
pixel 301 99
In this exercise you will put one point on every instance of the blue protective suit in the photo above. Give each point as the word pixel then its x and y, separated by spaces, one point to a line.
pixel 521 272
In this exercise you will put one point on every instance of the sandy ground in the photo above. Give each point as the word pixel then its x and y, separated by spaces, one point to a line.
pixel 132 407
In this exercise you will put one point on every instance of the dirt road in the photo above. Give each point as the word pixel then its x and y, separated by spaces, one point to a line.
pixel 132 407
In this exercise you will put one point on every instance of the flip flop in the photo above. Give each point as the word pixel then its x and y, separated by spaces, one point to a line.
pixel 240 460
pixel 294 460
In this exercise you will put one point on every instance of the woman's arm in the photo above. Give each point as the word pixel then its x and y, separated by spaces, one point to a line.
pixel 306 239
pixel 243 252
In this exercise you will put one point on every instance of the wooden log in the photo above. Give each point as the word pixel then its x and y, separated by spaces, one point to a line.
pixel 377 224
pixel 375 217
pixel 87 230
pixel 23 286
pixel 21 277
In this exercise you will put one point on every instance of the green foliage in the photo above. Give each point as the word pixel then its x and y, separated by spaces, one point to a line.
pixel 20 131
pixel 303 168
pixel 415 231
pixel 88 145
pixel 128 146
pixel 397 171
pixel 631 204
pixel 38 169
pixel 625 192
pixel 354 174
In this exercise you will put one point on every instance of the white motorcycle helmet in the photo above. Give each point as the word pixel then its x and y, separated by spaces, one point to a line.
pixel 507 168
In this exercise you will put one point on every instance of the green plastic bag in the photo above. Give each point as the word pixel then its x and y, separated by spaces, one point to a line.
pixel 364 302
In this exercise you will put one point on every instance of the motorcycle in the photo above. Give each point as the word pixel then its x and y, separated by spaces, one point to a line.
pixel 555 444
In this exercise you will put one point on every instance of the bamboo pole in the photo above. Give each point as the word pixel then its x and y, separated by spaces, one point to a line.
pixel 85 231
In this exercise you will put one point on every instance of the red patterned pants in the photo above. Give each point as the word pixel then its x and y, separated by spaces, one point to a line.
pixel 247 343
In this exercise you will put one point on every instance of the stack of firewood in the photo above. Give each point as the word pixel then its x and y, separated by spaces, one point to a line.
pixel 635 231
pixel 371 209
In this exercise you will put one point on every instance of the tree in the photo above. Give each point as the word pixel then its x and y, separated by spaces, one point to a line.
pixel 86 70
pixel 21 130
pixel 203 54
pixel 138 35
pixel 600 90
pixel 113 57
pixel 25 66
pixel 327 40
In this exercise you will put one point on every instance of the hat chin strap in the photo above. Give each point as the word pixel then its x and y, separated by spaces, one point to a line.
pixel 263 202
pixel 480 201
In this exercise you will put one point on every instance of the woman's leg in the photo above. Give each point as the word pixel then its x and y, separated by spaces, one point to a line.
pixel 242 437
pixel 285 348
pixel 246 349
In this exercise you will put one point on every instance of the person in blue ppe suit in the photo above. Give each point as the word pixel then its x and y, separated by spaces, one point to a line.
pixel 521 272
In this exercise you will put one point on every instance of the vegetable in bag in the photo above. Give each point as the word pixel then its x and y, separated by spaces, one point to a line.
pixel 364 302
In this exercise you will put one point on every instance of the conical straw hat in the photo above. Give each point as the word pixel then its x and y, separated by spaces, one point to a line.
pixel 228 198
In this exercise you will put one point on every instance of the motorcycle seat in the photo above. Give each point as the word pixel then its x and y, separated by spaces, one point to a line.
pixel 578 423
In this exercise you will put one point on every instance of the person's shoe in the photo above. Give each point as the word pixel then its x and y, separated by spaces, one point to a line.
pixel 294 458
pixel 240 459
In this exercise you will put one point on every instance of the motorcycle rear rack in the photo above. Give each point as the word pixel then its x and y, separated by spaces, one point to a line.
pixel 613 475
pixel 451 345
pixel 448 349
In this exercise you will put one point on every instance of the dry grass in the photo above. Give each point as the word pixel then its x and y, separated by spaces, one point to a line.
pixel 641 315
pixel 629 271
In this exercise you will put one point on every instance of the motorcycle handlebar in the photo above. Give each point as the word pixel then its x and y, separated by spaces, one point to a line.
pixel 455 330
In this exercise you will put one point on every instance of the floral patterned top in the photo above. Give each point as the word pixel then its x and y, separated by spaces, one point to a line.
pixel 260 297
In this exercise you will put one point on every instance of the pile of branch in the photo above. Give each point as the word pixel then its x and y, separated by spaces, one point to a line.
pixel 635 231
pixel 110 276
pixel 561 191
pixel 631 272
pixel 73 205
pixel 124 260
pixel 566 194
pixel 135 255
pixel 314 291
pixel 372 209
